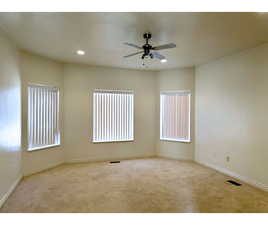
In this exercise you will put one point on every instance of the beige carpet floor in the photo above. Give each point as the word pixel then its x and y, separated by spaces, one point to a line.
pixel 142 185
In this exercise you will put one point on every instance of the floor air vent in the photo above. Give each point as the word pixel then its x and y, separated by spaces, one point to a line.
pixel 115 162
pixel 234 182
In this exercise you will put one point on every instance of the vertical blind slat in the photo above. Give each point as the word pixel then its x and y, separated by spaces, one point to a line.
pixel 35 116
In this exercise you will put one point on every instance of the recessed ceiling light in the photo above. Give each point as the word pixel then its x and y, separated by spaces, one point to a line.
pixel 80 52
pixel 163 60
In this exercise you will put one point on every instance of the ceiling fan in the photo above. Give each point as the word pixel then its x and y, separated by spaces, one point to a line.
pixel 148 50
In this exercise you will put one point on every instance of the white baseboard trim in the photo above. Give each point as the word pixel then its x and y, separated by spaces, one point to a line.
pixel 91 160
pixel 9 192
pixel 244 179
pixel 175 157
pixel 51 166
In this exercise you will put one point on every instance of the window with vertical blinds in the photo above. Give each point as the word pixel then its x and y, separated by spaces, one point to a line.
pixel 175 116
pixel 113 116
pixel 43 117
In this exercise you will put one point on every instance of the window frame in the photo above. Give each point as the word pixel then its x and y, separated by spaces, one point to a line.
pixel 133 113
pixel 33 149
pixel 189 94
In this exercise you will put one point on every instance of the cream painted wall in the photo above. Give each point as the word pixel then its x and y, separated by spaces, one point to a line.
pixel 10 118
pixel 40 70
pixel 79 83
pixel 232 114
pixel 169 80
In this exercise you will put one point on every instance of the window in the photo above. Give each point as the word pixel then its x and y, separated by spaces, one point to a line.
pixel 175 116
pixel 43 117
pixel 112 116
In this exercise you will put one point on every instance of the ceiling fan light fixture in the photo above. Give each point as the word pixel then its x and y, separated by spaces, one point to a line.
pixel 163 60
pixel 80 52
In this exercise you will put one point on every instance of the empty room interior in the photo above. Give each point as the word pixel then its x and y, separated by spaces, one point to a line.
pixel 133 112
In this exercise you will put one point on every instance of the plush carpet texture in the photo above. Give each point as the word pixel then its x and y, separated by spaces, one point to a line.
pixel 142 185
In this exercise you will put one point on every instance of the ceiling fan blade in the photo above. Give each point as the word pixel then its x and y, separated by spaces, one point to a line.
pixel 133 45
pixel 158 56
pixel 161 47
pixel 136 53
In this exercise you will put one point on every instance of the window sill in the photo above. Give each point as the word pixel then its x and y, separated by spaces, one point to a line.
pixel 42 148
pixel 103 142
pixel 175 140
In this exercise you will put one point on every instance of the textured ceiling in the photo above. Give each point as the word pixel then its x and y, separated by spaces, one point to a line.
pixel 200 37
